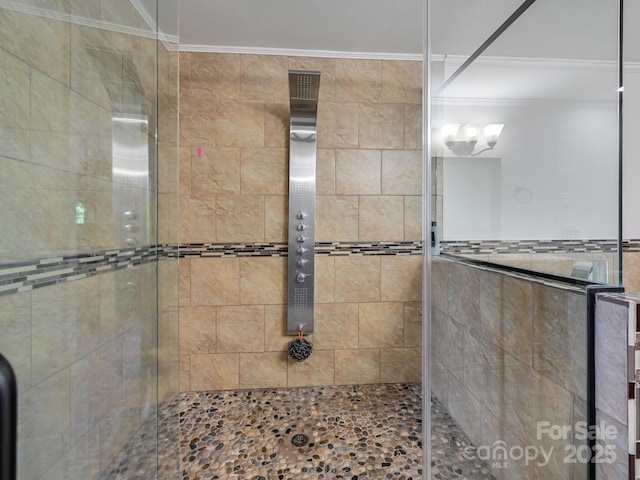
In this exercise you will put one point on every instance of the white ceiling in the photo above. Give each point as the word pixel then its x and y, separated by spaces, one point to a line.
pixel 582 30
pixel 389 26
pixel 576 29
pixel 548 29
pixel 350 26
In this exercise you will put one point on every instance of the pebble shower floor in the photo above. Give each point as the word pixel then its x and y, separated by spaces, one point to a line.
pixel 316 433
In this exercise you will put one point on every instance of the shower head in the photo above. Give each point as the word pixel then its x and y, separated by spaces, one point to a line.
pixel 304 88
pixel 304 84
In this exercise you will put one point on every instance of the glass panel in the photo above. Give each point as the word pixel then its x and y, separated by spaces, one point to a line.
pixel 526 145
pixel 78 257
pixel 168 233
pixel 631 146
pixel 525 174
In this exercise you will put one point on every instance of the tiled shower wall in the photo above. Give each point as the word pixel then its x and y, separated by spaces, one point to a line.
pixel 85 350
pixel 616 387
pixel 235 108
pixel 511 352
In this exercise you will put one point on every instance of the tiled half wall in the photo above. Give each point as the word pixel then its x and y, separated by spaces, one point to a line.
pixel 508 352
pixel 233 190
pixel 616 383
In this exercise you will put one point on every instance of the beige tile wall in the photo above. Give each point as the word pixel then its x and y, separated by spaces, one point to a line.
pixel 236 337
pixel 613 313
pixel 64 81
pixel 233 311
pixel 631 271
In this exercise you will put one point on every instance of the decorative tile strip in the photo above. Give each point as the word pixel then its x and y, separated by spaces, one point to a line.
pixel 28 275
pixel 25 276
pixel 537 246
pixel 368 248
pixel 631 245
pixel 199 250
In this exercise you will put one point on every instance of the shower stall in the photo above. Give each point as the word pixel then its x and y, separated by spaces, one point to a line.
pixel 151 269
pixel 344 185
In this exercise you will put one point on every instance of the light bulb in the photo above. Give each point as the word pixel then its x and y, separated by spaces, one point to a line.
pixel 449 132
pixel 470 132
pixel 492 133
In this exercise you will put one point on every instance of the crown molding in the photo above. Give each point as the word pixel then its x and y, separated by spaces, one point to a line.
pixel 292 52
pixel 513 102
pixel 538 63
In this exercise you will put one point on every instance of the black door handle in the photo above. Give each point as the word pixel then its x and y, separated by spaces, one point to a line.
pixel 8 421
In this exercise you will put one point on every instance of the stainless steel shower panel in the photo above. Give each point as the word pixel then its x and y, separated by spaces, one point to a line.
pixel 303 88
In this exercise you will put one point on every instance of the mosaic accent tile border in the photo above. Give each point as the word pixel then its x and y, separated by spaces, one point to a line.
pixel 538 246
pixel 631 246
pixel 198 250
pixel 218 250
pixel 25 276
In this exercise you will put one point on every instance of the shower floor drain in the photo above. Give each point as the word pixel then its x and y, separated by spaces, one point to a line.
pixel 299 440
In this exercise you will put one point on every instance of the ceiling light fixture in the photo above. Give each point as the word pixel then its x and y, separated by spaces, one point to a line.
pixel 462 140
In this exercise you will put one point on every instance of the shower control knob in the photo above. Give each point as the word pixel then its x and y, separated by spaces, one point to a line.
pixel 130 228
pixel 300 277
pixel 301 250
pixel 129 215
pixel 301 226
pixel 301 262
pixel 301 238
pixel 302 215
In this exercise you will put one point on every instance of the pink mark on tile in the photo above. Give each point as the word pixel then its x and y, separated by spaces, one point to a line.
pixel 199 151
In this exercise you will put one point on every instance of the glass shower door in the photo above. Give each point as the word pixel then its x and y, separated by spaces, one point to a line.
pixel 525 194
pixel 78 248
